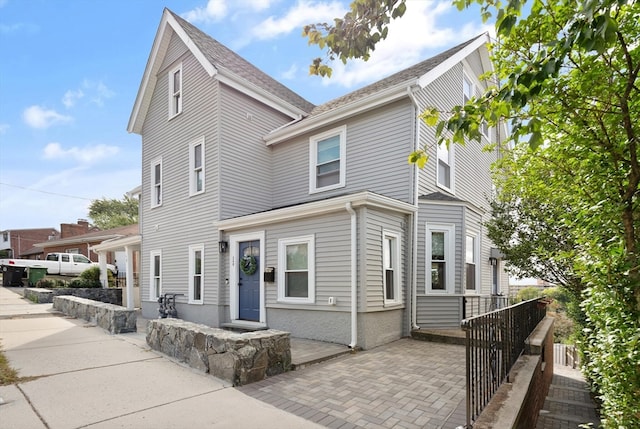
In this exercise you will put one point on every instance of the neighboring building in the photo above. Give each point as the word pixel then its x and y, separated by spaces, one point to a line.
pixel 83 243
pixel 264 210
pixel 18 243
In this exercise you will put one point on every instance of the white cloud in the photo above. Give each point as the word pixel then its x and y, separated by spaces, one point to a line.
pixel 214 11
pixel 37 117
pixel 290 73
pixel 304 12
pixel 4 128
pixel 95 91
pixel 70 97
pixel 416 36
pixel 85 155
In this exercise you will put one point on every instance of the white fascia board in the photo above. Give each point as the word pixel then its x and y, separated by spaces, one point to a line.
pixel 259 94
pixel 364 104
pixel 117 243
pixel 316 208
pixel 149 78
pixel 444 66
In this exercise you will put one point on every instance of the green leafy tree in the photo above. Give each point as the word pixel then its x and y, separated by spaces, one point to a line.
pixel 566 83
pixel 112 213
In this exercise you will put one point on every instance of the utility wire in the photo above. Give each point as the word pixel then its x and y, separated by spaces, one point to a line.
pixel 46 192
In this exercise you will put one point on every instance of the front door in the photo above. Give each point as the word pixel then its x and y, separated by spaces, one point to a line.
pixel 249 280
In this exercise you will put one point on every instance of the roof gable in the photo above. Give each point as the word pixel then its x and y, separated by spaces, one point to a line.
pixel 217 60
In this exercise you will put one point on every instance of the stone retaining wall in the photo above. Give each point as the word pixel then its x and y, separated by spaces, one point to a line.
pixel 113 318
pixel 239 358
pixel 45 296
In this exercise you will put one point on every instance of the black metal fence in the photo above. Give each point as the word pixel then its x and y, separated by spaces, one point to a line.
pixel 494 341
pixel 476 305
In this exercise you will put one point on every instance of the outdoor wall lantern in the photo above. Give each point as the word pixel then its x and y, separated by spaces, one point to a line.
pixel 493 262
pixel 223 246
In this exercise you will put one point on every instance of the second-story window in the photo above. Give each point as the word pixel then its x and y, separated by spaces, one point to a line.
pixel 175 91
pixel 196 167
pixel 327 160
pixel 156 182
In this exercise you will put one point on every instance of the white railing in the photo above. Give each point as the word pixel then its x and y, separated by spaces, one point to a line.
pixel 565 354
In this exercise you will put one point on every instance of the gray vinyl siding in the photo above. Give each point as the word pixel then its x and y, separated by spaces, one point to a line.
pixel 376 223
pixel 181 220
pixel 439 311
pixel 245 160
pixel 377 146
pixel 332 235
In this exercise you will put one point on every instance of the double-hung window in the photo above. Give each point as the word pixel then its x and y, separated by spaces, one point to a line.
pixel 296 277
pixel 196 274
pixel 155 288
pixel 445 166
pixel 175 91
pixel 439 267
pixel 391 266
pixel 156 182
pixel 196 167
pixel 327 159
pixel 471 263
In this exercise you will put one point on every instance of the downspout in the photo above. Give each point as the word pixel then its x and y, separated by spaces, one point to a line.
pixel 414 238
pixel 354 278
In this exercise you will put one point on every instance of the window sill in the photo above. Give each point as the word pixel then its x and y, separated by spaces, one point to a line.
pixel 174 116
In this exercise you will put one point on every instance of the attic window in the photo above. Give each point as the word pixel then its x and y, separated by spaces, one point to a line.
pixel 175 91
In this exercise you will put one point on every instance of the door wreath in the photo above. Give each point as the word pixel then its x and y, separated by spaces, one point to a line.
pixel 248 264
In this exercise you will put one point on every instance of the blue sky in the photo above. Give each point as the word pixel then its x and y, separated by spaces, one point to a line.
pixel 71 70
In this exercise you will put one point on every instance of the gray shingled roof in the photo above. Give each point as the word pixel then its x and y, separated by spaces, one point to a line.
pixel 222 57
pixel 413 72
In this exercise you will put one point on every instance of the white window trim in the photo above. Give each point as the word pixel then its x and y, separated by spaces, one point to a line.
pixel 192 167
pixel 396 270
pixel 449 257
pixel 152 255
pixel 154 203
pixel 313 158
pixel 192 268
pixel 172 112
pixel 476 252
pixel 282 263
pixel 452 169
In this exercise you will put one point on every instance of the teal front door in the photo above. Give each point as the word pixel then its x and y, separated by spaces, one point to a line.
pixel 249 280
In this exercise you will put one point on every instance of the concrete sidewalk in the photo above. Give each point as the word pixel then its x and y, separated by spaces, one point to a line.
pixel 82 377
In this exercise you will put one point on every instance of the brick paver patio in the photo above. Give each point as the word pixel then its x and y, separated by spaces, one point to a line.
pixel 405 384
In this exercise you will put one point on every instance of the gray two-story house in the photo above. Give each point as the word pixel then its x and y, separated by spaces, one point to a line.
pixel 266 211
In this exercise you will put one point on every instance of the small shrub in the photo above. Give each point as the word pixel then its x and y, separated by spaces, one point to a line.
pixel 84 283
pixel 46 284
pixel 93 273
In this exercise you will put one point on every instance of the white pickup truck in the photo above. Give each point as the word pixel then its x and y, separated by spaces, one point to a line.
pixel 64 264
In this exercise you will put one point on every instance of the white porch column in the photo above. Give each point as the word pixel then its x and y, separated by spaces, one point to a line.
pixel 129 278
pixel 104 277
